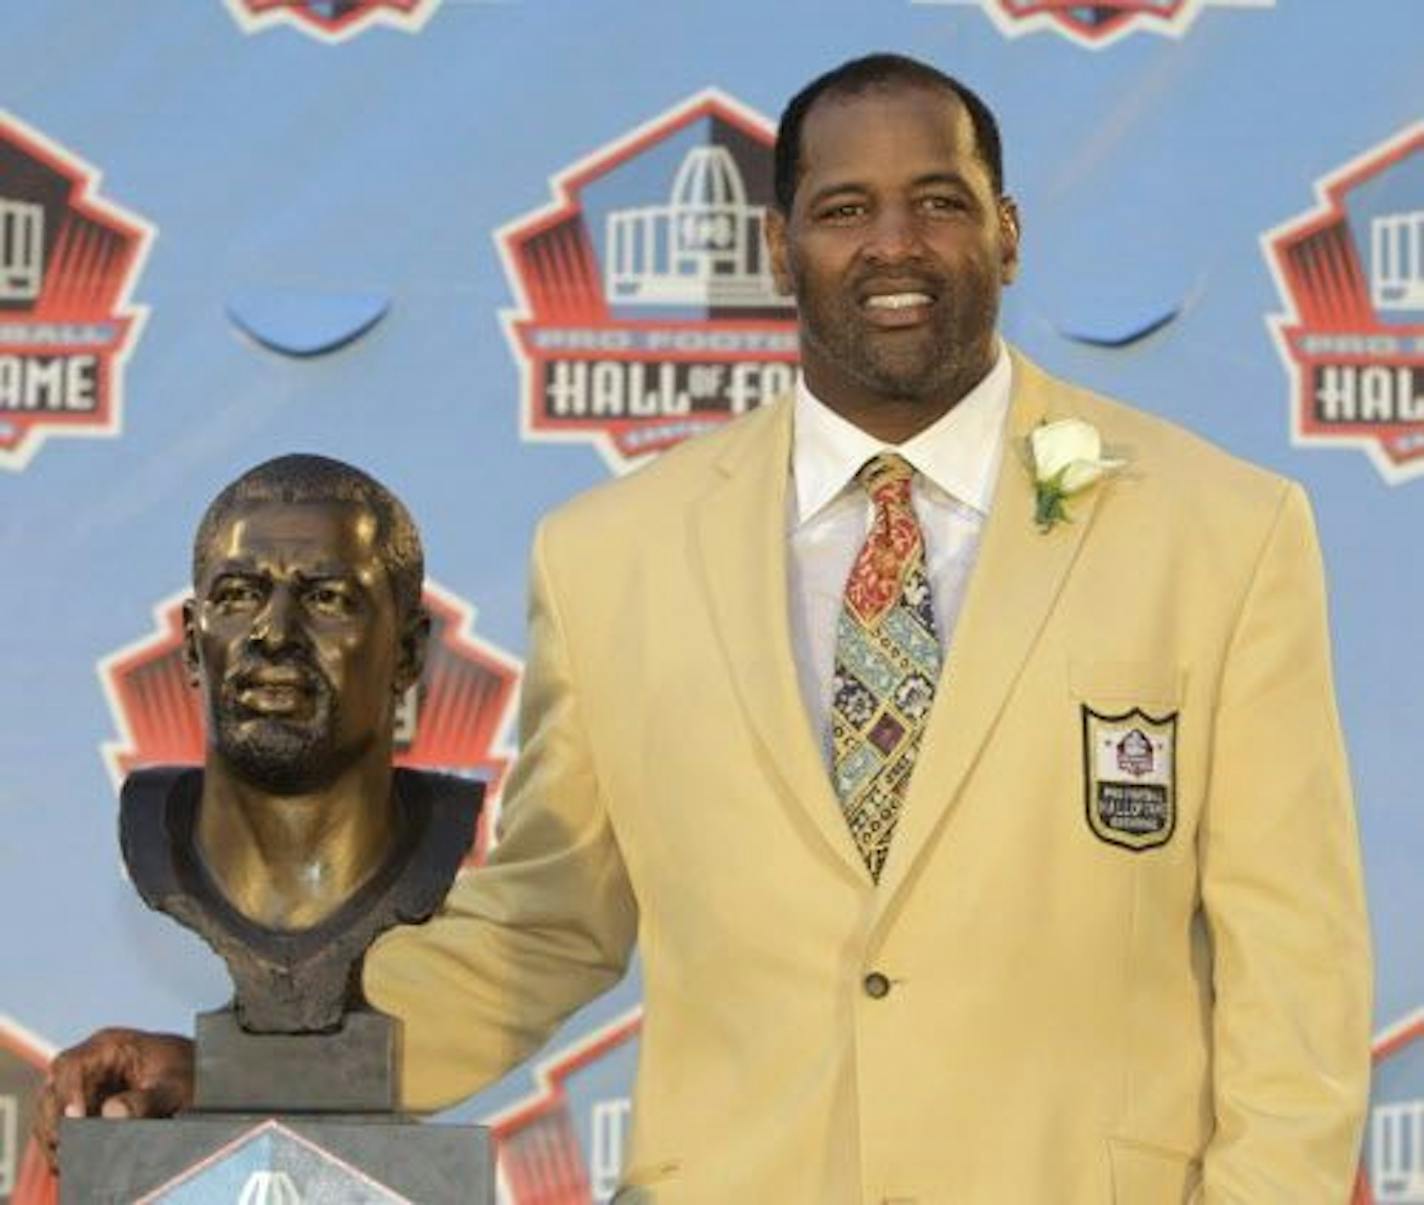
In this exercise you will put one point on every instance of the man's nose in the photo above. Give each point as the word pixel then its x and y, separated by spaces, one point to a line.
pixel 893 235
pixel 278 624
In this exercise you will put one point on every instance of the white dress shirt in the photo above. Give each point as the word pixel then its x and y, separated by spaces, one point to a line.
pixel 956 462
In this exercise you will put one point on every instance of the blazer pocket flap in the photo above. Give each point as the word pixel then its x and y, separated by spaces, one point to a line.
pixel 1144 1174
pixel 1123 685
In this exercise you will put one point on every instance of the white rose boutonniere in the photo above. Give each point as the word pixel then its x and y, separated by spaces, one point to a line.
pixel 1066 458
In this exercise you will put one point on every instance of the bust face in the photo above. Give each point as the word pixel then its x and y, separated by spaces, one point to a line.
pixel 295 636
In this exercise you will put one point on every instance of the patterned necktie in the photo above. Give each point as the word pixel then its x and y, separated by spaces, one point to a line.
pixel 887 663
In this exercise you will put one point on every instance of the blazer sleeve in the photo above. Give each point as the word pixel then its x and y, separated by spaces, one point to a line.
pixel 1283 898
pixel 544 926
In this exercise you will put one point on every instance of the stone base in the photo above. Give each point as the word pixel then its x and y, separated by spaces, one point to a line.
pixel 352 1070
pixel 274 1160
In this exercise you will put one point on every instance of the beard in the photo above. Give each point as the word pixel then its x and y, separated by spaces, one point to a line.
pixel 282 754
pixel 944 359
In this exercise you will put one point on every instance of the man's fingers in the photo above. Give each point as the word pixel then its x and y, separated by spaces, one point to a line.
pixel 158 1100
pixel 63 1095
pixel 72 1086
pixel 115 1073
pixel 123 1104
pixel 46 1123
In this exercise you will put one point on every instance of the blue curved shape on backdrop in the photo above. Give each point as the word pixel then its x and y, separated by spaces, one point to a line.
pixel 300 323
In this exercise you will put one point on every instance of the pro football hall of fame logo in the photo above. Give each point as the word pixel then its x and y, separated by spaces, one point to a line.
pixel 23 1059
pixel 563 1144
pixel 1097 25
pixel 458 718
pixel 332 20
pixel 646 307
pixel 1392 1156
pixel 68 263
pixel 1351 274
pixel 270 1164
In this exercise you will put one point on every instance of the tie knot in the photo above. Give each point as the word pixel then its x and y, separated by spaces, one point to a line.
pixel 886 473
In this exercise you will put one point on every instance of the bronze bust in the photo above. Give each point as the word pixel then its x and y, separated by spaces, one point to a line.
pixel 288 851
pixel 298 842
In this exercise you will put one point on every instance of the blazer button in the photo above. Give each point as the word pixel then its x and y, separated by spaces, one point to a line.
pixel 877 987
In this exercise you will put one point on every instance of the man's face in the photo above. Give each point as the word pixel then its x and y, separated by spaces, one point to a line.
pixel 295 635
pixel 896 248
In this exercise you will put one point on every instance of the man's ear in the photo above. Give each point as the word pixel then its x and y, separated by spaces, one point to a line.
pixel 192 664
pixel 1009 231
pixel 778 251
pixel 414 639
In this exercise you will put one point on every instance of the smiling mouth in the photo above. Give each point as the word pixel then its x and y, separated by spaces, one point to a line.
pixel 907 307
pixel 897 301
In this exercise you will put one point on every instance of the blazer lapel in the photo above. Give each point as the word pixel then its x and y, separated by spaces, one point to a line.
pixel 739 540
pixel 1016 581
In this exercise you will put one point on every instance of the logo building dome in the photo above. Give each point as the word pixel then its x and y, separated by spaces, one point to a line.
pixel 703 248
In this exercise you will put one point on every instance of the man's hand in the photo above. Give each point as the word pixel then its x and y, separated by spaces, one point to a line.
pixel 115 1073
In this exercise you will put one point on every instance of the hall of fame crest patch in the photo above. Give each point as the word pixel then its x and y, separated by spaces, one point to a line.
pixel 1129 777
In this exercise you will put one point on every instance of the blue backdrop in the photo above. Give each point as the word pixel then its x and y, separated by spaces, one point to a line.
pixel 383 230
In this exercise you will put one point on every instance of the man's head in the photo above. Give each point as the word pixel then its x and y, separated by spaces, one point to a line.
pixel 892 230
pixel 306 623
pixel 882 72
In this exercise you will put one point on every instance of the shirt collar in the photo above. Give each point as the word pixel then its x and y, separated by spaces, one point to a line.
pixel 958 453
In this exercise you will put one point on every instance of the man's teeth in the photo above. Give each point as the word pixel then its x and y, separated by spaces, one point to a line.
pixel 897 301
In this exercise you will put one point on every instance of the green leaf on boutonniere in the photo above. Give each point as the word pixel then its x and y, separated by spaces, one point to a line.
pixel 1065 458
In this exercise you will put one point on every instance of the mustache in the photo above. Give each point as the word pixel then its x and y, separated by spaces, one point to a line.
pixel 908 278
pixel 291 667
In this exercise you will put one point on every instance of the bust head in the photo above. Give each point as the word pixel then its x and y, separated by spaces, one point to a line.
pixel 305 626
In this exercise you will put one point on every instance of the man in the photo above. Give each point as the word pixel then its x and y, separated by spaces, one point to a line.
pixel 986 839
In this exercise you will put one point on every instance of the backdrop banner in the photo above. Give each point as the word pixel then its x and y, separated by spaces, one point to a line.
pixel 498 251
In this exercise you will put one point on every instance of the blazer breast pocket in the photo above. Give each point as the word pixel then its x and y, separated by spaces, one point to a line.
pixel 1127 714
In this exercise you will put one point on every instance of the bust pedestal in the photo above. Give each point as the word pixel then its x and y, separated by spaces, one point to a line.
pixel 285 1113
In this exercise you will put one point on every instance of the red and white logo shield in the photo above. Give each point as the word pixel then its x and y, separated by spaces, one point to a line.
pixel 646 307
pixel 333 20
pixel 1351 275
pixel 68 264
pixel 1101 24
pixel 564 1143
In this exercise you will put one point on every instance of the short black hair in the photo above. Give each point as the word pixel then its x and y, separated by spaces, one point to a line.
pixel 883 71
pixel 303 477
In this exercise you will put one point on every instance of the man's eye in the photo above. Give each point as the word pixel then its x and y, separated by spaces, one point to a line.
pixel 232 595
pixel 330 600
pixel 845 211
pixel 943 203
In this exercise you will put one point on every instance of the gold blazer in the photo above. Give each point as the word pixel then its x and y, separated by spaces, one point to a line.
pixel 1120 968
